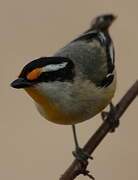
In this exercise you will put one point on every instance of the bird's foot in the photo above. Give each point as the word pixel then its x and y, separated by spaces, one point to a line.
pixel 114 122
pixel 83 157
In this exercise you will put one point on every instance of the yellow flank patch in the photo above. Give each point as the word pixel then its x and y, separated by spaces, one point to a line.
pixel 34 74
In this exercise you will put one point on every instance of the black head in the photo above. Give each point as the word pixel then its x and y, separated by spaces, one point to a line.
pixel 45 69
pixel 102 22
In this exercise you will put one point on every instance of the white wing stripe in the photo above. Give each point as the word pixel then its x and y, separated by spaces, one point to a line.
pixel 111 52
pixel 54 67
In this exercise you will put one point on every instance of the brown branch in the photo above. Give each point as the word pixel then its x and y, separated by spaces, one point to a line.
pixel 76 168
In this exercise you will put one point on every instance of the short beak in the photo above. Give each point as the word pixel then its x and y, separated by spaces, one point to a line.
pixel 21 83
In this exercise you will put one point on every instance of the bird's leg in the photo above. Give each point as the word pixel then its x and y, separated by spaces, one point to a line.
pixel 114 122
pixel 79 153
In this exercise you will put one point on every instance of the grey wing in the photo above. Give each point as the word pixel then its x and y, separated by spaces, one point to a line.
pixel 89 58
pixel 93 57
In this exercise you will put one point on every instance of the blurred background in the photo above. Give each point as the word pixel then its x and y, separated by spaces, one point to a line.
pixel 33 148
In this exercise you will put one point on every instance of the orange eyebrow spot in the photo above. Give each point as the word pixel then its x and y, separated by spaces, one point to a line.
pixel 34 74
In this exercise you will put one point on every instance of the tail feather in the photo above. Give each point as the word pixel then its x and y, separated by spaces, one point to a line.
pixel 102 22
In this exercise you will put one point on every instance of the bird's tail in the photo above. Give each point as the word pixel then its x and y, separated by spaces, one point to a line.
pixel 102 22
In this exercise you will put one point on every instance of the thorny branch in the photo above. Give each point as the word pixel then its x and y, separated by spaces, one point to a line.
pixel 75 169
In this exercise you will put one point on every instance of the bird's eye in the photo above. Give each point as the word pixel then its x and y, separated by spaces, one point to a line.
pixel 34 74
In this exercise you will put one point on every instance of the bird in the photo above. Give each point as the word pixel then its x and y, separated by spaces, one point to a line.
pixel 75 83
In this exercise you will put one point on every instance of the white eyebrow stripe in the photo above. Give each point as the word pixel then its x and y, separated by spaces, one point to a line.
pixel 54 67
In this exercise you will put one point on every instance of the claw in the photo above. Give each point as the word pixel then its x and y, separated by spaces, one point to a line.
pixel 82 156
pixel 87 173
pixel 104 115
